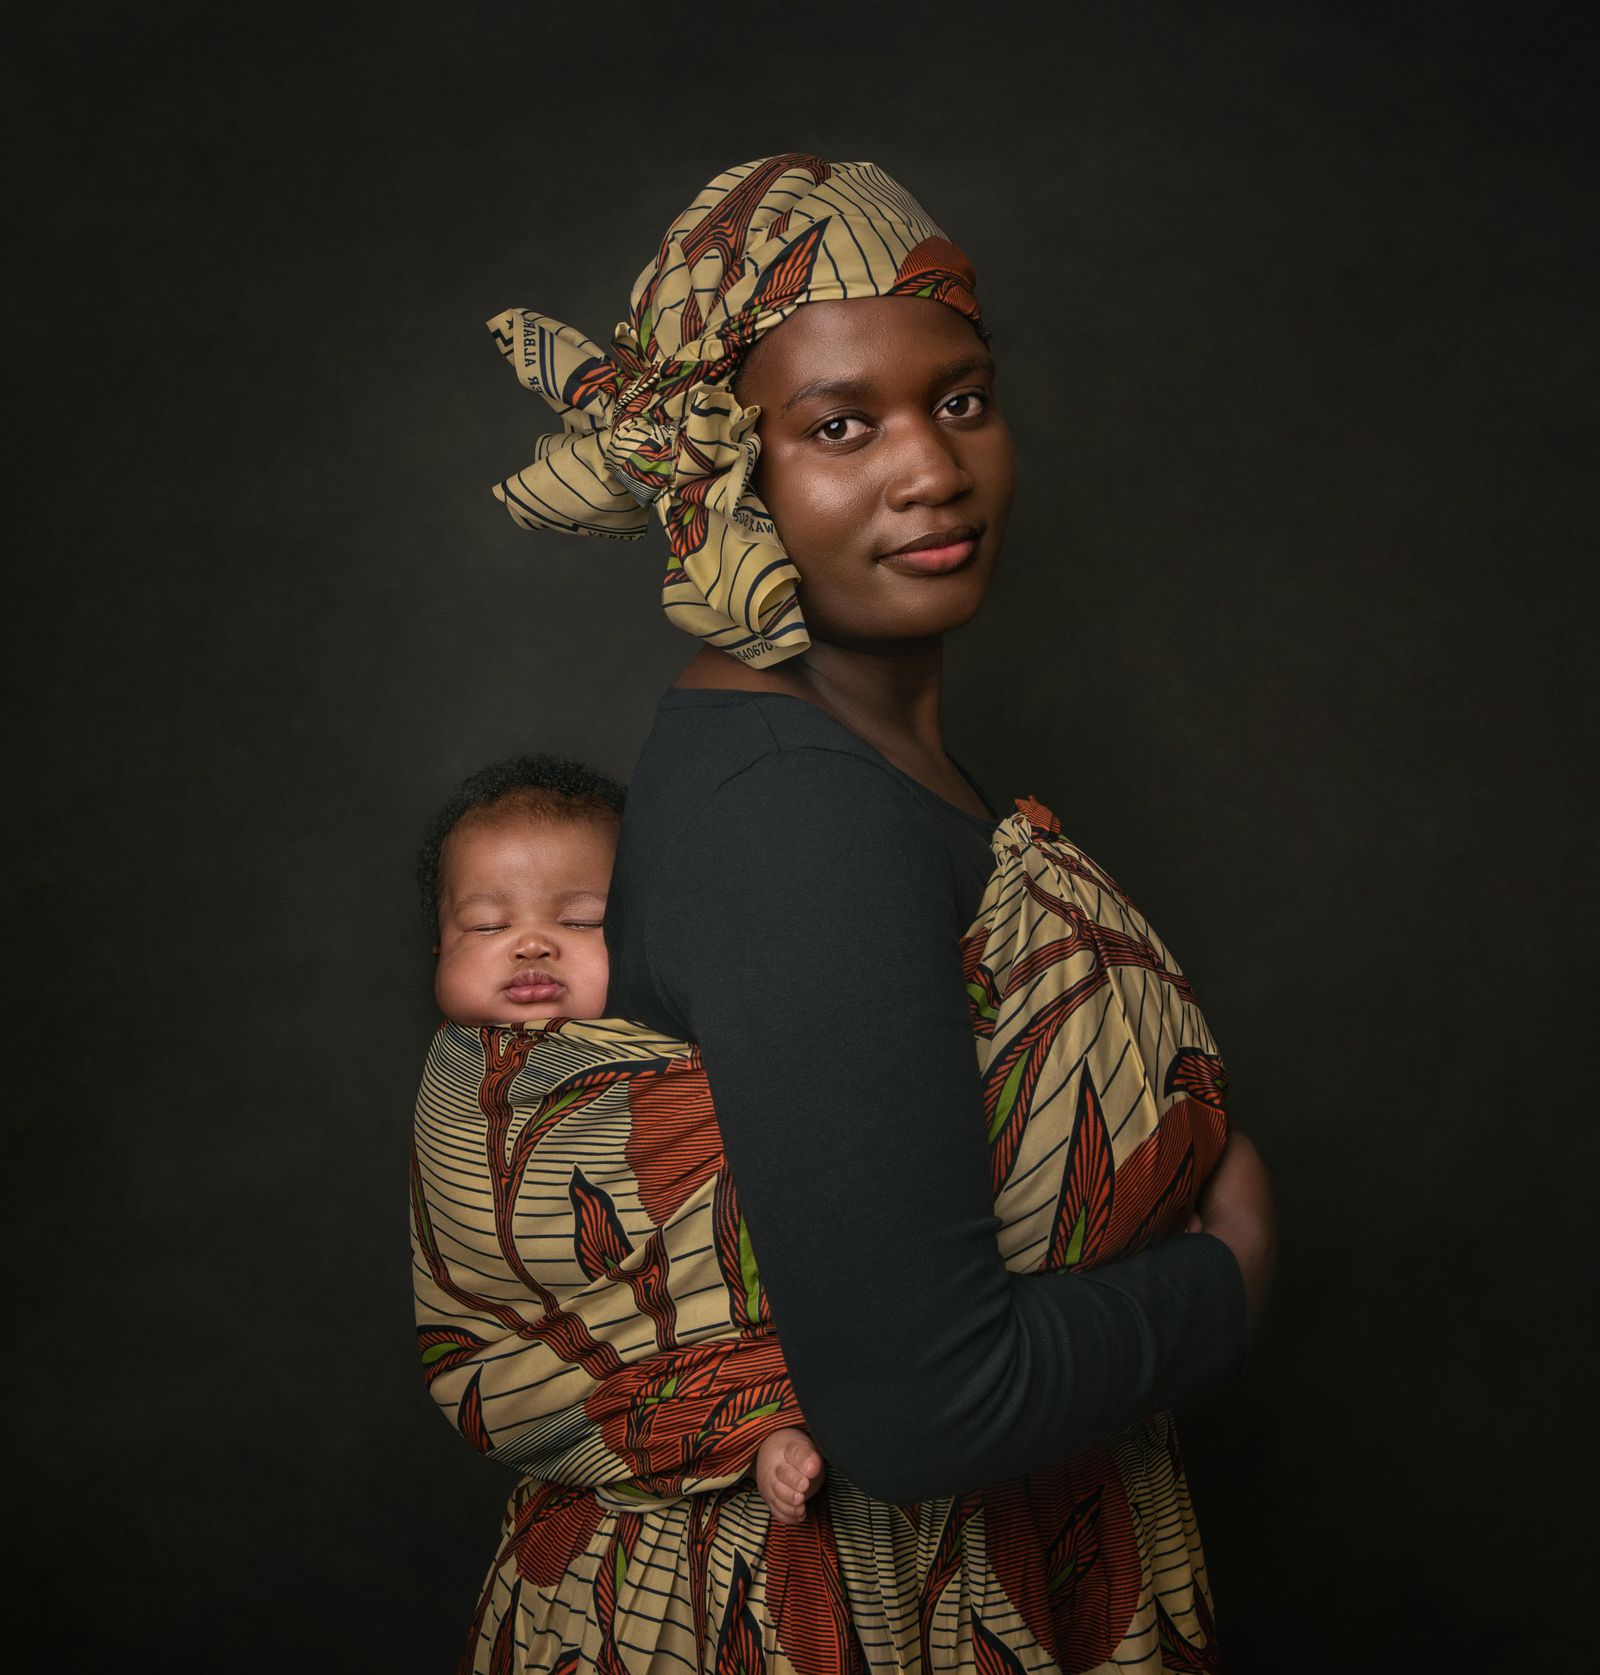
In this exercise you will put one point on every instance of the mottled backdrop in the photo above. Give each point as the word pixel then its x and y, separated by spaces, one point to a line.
pixel 1295 630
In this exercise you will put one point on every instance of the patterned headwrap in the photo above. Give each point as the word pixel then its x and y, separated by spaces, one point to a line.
pixel 654 423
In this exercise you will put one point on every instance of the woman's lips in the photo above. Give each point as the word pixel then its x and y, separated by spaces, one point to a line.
pixel 532 990
pixel 933 561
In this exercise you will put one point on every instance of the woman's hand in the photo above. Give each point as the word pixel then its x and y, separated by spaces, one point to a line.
pixel 1236 1206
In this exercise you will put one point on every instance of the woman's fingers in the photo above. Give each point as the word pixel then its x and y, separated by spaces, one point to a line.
pixel 1236 1205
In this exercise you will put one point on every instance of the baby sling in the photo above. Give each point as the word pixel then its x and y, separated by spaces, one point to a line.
pixel 590 1313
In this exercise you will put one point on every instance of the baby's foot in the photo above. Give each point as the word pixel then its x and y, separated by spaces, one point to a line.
pixel 788 1473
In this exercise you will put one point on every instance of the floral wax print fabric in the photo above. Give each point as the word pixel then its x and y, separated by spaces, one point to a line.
pixel 590 1312
pixel 653 422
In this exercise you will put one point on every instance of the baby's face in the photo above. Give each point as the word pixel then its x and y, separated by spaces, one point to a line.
pixel 521 902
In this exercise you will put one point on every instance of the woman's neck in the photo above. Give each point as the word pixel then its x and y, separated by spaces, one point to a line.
pixel 888 696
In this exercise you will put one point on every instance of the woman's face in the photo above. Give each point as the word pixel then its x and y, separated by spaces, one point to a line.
pixel 885 463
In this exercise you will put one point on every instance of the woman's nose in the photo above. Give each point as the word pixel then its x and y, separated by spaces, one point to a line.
pixel 927 470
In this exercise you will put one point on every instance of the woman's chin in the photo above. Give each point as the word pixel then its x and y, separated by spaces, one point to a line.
pixel 903 622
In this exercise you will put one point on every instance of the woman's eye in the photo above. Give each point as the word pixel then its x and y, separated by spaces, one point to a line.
pixel 968 405
pixel 837 430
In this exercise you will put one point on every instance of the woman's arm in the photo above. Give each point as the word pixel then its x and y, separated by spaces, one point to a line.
pixel 805 928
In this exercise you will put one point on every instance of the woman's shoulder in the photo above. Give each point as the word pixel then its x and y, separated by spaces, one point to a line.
pixel 732 728
pixel 728 747
pixel 753 808
pixel 773 772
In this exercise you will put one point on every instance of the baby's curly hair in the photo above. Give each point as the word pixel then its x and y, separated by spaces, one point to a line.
pixel 543 787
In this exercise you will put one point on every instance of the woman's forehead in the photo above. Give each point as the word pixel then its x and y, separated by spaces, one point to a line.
pixel 869 339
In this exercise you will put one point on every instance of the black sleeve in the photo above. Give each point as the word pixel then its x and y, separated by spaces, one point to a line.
pixel 805 928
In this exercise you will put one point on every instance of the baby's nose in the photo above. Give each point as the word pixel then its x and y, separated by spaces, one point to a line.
pixel 534 943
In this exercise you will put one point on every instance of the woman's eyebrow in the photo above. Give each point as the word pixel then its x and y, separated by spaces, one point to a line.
pixel 959 369
pixel 850 389
pixel 854 389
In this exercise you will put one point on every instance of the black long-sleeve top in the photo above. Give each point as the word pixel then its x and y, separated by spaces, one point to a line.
pixel 791 901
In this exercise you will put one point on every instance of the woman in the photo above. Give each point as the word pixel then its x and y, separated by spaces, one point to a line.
pixel 805 397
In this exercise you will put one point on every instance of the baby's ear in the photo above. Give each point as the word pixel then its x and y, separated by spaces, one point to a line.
pixel 436 950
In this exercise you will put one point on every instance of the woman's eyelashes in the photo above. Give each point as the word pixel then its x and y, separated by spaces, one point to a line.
pixel 973 403
pixel 829 430
pixel 965 405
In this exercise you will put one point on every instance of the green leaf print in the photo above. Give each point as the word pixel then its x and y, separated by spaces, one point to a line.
pixel 664 1394
pixel 709 1429
pixel 1008 1096
pixel 1062 1578
pixel 748 1272
pixel 980 1001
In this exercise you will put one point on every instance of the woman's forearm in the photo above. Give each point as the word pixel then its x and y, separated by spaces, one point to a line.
pixel 819 971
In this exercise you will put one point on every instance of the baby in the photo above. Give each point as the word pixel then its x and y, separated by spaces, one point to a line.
pixel 514 876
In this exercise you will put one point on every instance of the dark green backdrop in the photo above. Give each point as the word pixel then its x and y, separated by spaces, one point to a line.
pixel 1294 310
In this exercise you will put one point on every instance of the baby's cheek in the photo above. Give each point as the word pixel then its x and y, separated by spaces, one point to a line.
pixel 589 995
pixel 454 992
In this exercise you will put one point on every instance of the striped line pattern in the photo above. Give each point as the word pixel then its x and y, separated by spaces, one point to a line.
pixel 589 1313
pixel 651 423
